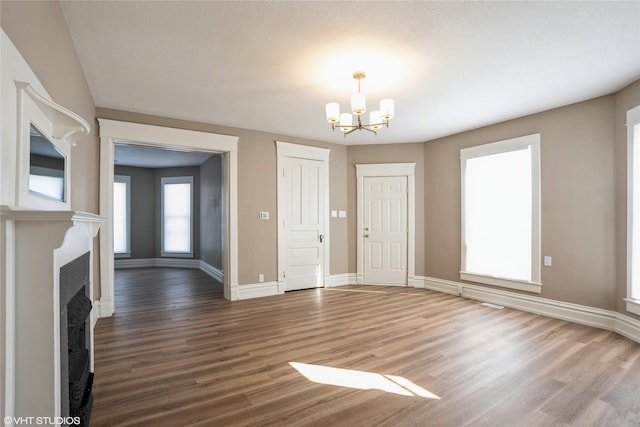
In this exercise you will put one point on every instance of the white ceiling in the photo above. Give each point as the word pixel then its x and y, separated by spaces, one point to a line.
pixel 273 65
pixel 155 157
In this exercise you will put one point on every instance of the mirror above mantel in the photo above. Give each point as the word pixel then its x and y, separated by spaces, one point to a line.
pixel 46 133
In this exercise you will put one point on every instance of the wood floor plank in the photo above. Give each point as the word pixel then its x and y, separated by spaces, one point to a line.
pixel 177 354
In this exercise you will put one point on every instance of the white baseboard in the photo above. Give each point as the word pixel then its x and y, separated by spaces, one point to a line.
pixel 582 314
pixel 134 263
pixel 104 308
pixel 258 290
pixel 212 271
pixel 340 280
pixel 95 313
pixel 171 262
pixel 156 262
pixel 177 263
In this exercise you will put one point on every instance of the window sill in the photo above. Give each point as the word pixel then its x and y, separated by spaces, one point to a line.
pixel 633 306
pixel 122 255
pixel 177 254
pixel 503 283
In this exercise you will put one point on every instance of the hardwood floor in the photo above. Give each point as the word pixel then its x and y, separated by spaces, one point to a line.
pixel 177 354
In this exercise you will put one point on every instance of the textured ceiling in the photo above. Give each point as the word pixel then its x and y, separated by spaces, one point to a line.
pixel 272 66
pixel 153 157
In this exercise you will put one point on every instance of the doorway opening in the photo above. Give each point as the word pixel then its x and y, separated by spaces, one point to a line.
pixel 168 209
pixel 153 142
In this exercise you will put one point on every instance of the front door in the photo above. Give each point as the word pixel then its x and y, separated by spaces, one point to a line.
pixel 304 223
pixel 385 230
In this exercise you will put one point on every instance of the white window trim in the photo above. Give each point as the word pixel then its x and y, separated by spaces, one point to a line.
pixel 533 141
pixel 175 180
pixel 633 118
pixel 127 182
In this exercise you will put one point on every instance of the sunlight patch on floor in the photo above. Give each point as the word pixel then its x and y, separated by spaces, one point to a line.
pixel 361 380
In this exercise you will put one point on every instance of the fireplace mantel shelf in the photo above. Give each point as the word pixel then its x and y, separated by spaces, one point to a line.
pixel 9 213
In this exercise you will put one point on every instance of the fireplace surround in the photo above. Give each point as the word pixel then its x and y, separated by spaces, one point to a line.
pixel 48 299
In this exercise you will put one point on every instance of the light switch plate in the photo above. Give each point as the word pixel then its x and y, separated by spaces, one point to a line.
pixel 264 215
pixel 334 214
pixel 342 214
pixel 547 261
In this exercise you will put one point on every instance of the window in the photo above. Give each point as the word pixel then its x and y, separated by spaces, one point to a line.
pixel 501 213
pixel 633 210
pixel 177 216
pixel 121 216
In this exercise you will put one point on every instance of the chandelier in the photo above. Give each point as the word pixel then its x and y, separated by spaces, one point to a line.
pixel 344 121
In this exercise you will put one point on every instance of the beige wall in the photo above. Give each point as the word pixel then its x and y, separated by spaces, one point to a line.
pixel 39 31
pixel 257 185
pixel 578 203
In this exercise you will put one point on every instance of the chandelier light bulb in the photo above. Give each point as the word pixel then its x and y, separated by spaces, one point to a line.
pixel 376 120
pixel 333 112
pixel 386 108
pixel 346 121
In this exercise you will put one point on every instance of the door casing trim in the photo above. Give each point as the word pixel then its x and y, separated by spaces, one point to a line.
pixel 112 132
pixel 382 170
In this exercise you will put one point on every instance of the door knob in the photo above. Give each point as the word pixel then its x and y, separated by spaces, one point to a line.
pixel 366 235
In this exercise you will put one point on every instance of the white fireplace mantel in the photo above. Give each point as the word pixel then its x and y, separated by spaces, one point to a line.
pixel 36 244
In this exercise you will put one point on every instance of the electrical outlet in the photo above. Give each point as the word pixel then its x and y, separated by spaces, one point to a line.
pixel 547 261
pixel 260 278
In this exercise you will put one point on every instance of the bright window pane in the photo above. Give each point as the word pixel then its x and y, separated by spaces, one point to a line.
pixel 498 215
pixel 635 242
pixel 51 186
pixel 177 217
pixel 120 217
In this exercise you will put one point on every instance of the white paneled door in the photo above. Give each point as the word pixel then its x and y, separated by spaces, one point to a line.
pixel 385 230
pixel 304 223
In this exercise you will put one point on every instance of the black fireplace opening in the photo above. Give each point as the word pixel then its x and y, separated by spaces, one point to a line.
pixel 75 323
pixel 80 377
